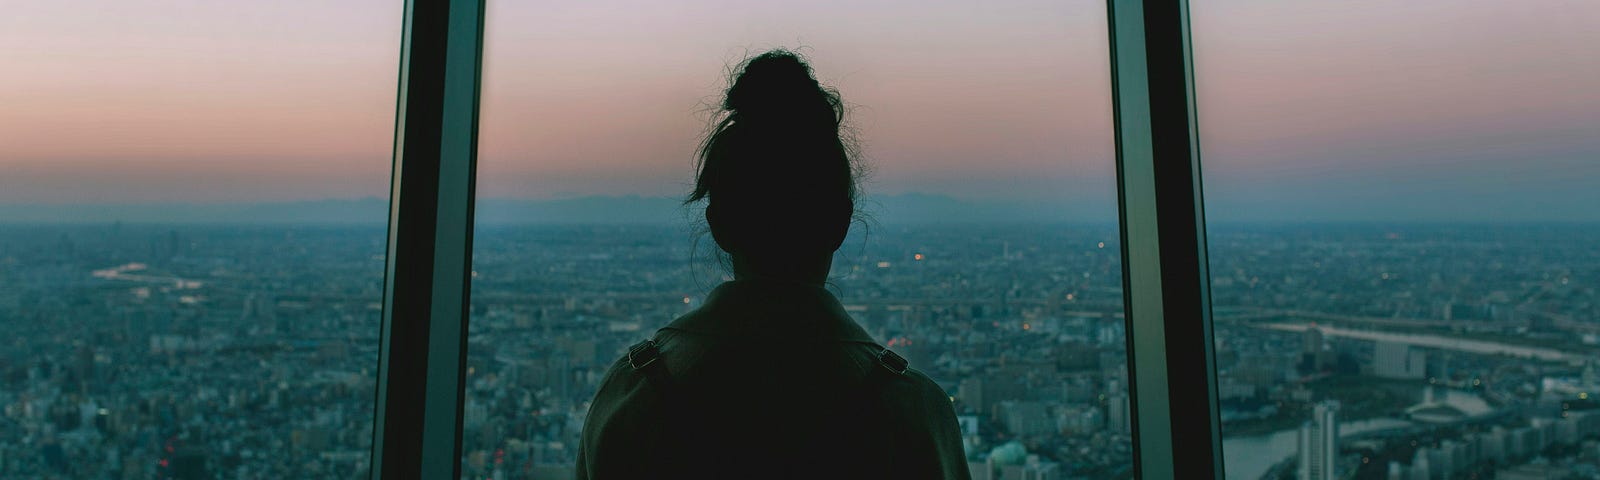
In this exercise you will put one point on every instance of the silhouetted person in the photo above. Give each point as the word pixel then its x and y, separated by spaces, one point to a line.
pixel 770 378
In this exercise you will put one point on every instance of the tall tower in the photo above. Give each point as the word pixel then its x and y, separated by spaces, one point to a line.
pixel 1311 340
pixel 1591 375
pixel 1319 442
pixel 1311 353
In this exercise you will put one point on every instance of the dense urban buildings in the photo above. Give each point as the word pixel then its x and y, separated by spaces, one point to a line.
pixel 1356 351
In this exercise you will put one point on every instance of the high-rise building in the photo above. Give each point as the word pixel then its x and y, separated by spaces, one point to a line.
pixel 1035 469
pixel 1420 470
pixel 1319 442
pixel 1312 354
pixel 1442 459
pixel 1591 373
pixel 980 470
pixel 1311 340
pixel 1026 418
pixel 1118 419
pixel 1399 360
pixel 970 392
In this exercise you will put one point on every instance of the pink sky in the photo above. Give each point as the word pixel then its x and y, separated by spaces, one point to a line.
pixel 159 100
pixel 195 101
pixel 612 98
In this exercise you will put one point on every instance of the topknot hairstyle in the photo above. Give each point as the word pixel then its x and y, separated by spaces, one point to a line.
pixel 776 175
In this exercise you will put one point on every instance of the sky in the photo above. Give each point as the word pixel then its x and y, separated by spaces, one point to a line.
pixel 1363 110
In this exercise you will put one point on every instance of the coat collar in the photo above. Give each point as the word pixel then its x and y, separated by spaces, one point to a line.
pixel 772 309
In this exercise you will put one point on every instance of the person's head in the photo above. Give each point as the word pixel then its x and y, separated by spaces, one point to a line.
pixel 778 180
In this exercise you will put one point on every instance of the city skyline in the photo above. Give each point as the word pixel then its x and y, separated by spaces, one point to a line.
pixel 250 351
pixel 912 208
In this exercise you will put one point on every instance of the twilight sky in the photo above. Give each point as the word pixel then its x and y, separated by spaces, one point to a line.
pixel 1364 110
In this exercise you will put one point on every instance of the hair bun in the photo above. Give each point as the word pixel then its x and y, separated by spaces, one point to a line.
pixel 775 173
pixel 776 82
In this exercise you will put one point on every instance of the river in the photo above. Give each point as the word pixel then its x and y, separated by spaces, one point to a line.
pixel 1246 458
pixel 1481 347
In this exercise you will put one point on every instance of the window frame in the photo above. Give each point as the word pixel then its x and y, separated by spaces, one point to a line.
pixel 423 352
pixel 422 359
pixel 1166 286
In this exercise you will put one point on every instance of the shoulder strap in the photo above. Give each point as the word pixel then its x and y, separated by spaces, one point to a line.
pixel 890 365
pixel 645 357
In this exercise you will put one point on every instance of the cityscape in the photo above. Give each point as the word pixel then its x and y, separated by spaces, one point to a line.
pixel 1360 351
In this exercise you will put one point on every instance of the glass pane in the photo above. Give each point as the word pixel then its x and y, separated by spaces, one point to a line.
pixel 1403 232
pixel 192 210
pixel 990 259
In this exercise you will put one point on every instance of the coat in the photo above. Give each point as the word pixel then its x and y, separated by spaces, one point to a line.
pixel 769 379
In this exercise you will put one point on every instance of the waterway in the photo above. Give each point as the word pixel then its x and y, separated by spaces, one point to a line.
pixel 129 272
pixel 1248 457
pixel 1481 347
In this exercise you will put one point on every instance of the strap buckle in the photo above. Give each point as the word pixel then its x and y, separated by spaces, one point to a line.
pixel 643 354
pixel 892 361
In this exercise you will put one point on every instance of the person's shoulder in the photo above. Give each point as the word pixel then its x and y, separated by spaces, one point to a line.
pixel 618 418
pixel 626 388
pixel 912 394
pixel 622 390
pixel 917 392
pixel 927 427
pixel 926 388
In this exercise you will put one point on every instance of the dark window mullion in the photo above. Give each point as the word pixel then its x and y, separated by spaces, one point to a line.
pixel 1165 284
pixel 423 354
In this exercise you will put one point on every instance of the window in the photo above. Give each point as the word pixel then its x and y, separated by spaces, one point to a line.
pixel 1400 234
pixel 989 258
pixel 191 237
pixel 1401 217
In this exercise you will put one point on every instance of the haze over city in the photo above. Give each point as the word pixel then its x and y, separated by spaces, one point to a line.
pixel 185 102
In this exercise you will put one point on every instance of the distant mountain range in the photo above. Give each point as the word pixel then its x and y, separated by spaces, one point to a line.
pixel 892 209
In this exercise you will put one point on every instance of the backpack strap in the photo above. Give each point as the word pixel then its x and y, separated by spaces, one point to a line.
pixel 645 357
pixel 890 365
